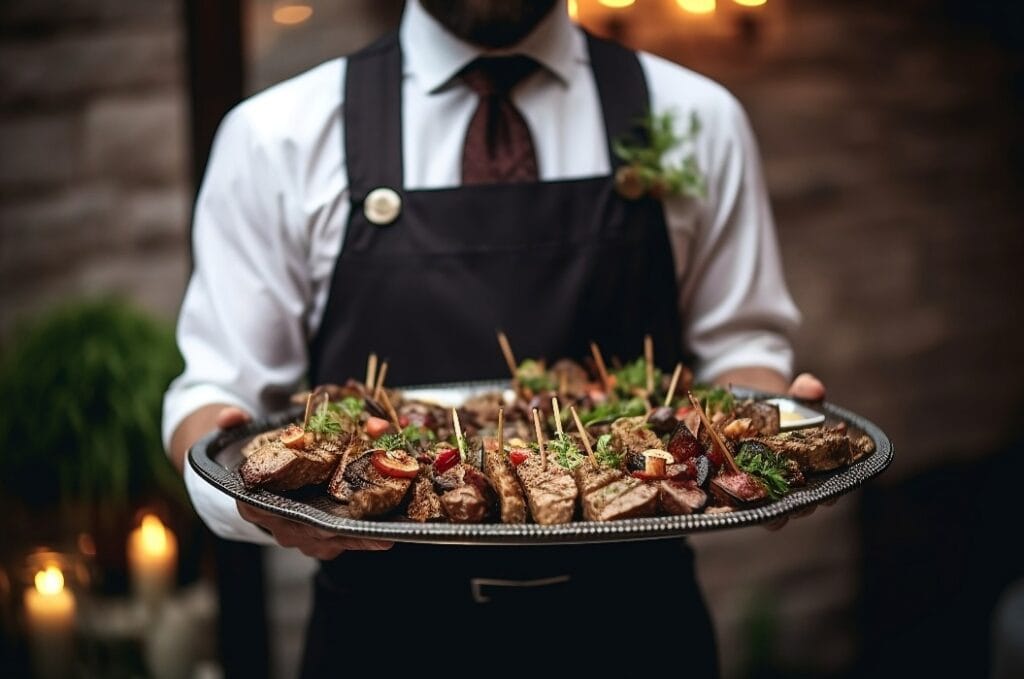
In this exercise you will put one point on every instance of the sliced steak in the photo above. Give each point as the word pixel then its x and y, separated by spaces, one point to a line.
pixel 338 487
pixel 631 435
pixel 816 450
pixel 510 494
pixel 680 497
pixel 625 498
pixel 590 478
pixel 737 488
pixel 764 417
pixel 276 467
pixel 466 495
pixel 374 493
pixel 424 503
pixel 550 493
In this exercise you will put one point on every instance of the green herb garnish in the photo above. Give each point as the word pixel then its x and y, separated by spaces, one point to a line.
pixel 646 165
pixel 324 422
pixel 613 410
pixel 633 376
pixel 565 451
pixel 766 465
pixel 351 407
pixel 715 399
pixel 531 375
pixel 391 442
pixel 415 434
pixel 605 454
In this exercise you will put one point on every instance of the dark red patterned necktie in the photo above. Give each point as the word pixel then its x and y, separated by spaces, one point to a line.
pixel 498 146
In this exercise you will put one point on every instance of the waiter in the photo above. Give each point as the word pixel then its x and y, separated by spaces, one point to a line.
pixel 451 179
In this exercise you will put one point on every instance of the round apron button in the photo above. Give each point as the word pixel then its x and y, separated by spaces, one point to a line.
pixel 382 206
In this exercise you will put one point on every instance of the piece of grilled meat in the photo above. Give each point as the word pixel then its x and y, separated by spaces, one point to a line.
pixel 680 497
pixel 276 467
pixel 424 503
pixel 736 489
pixel 764 417
pixel 622 498
pixel 510 494
pixel 374 494
pixel 466 495
pixel 818 449
pixel 338 487
pixel 550 493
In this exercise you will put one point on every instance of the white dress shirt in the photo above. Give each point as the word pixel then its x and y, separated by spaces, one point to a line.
pixel 271 215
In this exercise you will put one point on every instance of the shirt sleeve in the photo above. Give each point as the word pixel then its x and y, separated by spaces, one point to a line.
pixel 240 328
pixel 737 311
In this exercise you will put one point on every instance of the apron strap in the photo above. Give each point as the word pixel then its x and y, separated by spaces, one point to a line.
pixel 373 108
pixel 622 89
pixel 373 117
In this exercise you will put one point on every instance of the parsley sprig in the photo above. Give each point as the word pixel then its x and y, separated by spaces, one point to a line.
pixel 613 410
pixel 325 422
pixel 646 161
pixel 633 376
pixel 766 465
pixel 565 451
pixel 605 454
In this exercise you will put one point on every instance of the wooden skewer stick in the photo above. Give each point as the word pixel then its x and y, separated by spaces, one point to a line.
pixel 583 435
pixel 501 431
pixel 563 382
pixel 558 417
pixel 506 351
pixel 602 371
pixel 714 434
pixel 391 410
pixel 380 381
pixel 309 408
pixel 673 384
pixel 458 435
pixel 540 440
pixel 371 371
pixel 649 361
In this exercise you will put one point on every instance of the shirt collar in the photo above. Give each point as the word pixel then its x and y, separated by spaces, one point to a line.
pixel 433 56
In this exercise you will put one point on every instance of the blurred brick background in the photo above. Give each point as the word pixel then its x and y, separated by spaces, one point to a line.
pixel 891 140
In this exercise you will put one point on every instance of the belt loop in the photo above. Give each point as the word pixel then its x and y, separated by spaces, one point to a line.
pixel 476 585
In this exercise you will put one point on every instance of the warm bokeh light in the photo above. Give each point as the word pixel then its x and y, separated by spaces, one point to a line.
pixel 574 9
pixel 616 4
pixel 750 3
pixel 50 582
pixel 292 14
pixel 697 6
pixel 154 535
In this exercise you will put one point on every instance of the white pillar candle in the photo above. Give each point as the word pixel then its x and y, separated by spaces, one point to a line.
pixel 153 560
pixel 50 615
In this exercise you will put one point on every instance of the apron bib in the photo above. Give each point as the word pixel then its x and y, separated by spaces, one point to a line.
pixel 555 265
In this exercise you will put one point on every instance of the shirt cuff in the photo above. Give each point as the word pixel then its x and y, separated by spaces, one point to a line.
pixel 220 513
pixel 763 350
pixel 180 402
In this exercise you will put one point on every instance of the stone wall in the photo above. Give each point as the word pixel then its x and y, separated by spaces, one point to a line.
pixel 94 193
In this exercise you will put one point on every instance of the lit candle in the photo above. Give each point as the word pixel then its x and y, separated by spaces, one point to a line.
pixel 153 558
pixel 50 614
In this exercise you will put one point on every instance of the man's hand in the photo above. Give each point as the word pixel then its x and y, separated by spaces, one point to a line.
pixel 807 387
pixel 309 540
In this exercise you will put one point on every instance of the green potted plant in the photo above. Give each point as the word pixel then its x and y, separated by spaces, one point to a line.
pixel 81 452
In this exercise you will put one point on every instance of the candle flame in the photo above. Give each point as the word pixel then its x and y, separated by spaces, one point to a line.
pixel 50 581
pixel 616 4
pixel 751 3
pixel 697 6
pixel 291 14
pixel 154 535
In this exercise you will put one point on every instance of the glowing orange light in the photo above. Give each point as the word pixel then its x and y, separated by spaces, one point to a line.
pixel 292 14
pixel 750 3
pixel 50 582
pixel 574 9
pixel 616 4
pixel 154 535
pixel 697 6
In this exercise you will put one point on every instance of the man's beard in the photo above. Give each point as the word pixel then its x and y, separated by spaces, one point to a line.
pixel 489 23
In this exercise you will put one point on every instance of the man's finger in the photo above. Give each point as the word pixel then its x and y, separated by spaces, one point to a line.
pixel 807 387
pixel 232 417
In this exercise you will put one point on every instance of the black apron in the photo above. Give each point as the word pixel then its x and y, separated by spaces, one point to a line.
pixel 556 265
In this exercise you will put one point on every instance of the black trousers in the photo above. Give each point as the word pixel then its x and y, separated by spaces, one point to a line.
pixel 467 610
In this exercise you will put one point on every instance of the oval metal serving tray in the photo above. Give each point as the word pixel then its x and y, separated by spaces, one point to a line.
pixel 217 456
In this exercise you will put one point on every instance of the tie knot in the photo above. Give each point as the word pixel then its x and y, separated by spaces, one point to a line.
pixel 488 76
